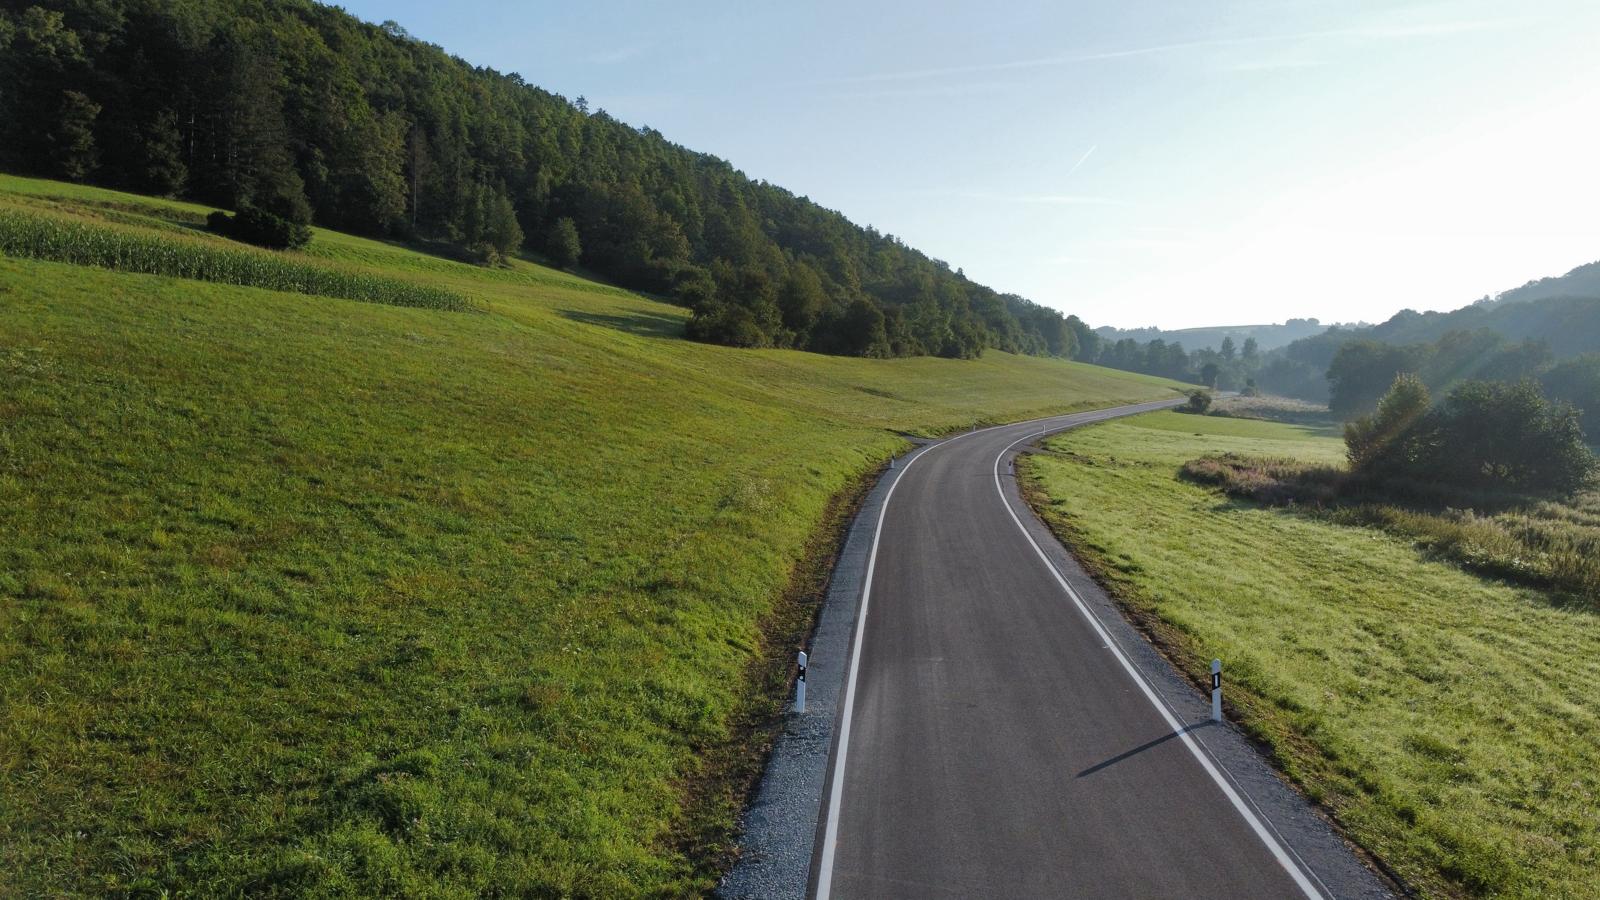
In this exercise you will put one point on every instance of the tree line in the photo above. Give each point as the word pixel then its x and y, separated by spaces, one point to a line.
pixel 1233 365
pixel 307 114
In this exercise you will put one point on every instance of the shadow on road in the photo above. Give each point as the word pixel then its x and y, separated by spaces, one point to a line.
pixel 1141 748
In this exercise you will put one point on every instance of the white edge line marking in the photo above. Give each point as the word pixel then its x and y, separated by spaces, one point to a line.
pixel 1266 837
pixel 830 834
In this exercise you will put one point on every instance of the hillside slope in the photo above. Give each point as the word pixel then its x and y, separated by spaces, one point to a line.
pixel 1569 325
pixel 305 595
pixel 310 114
pixel 1562 314
pixel 1583 281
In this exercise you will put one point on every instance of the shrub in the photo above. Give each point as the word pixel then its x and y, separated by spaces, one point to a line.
pixel 1486 436
pixel 1494 434
pixel 723 323
pixel 1199 402
pixel 1368 438
pixel 88 244
pixel 259 227
pixel 1270 480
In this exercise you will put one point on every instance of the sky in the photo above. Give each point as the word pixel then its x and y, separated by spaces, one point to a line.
pixel 1142 162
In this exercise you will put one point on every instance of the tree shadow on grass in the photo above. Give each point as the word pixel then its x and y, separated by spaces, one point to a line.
pixel 646 324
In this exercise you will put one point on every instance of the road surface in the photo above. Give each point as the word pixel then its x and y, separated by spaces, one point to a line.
pixel 994 742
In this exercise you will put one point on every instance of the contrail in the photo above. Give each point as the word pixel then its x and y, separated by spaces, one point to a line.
pixel 1081 160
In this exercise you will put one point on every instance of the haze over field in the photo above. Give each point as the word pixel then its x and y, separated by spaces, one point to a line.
pixel 1153 162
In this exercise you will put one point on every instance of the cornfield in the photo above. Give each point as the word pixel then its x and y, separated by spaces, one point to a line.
pixel 85 243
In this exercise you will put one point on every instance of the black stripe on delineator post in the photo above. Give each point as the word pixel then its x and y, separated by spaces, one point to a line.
pixel 1216 690
pixel 800 683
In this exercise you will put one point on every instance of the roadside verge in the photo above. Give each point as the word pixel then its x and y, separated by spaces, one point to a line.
pixel 780 825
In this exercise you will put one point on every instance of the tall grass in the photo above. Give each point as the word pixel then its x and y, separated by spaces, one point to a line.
pixel 86 243
pixel 1545 544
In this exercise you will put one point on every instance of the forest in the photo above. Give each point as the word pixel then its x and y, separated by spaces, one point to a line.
pixel 293 113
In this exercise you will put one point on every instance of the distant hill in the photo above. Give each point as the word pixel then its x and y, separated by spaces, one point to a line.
pixel 1568 325
pixel 1268 337
pixel 1563 312
pixel 1584 281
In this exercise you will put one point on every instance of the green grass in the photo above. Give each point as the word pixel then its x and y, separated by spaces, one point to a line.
pixel 1449 721
pixel 310 597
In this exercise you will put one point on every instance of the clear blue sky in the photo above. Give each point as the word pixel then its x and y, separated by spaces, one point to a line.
pixel 1144 162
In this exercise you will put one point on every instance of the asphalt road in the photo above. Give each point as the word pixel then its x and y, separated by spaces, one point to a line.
pixel 994 742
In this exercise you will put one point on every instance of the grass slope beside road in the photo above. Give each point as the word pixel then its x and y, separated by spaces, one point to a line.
pixel 306 596
pixel 1450 721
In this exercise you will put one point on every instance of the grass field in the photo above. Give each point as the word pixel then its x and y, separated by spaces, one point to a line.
pixel 314 597
pixel 1450 721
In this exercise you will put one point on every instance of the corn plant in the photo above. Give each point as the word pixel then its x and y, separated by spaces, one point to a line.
pixel 89 244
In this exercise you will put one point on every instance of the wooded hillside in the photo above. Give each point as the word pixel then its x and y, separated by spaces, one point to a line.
pixel 306 112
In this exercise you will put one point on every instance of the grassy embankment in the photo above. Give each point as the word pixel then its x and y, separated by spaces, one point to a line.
pixel 1449 720
pixel 301 595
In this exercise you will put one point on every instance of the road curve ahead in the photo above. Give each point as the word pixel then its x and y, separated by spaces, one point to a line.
pixel 994 742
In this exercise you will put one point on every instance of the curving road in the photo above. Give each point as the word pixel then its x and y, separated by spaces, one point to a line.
pixel 999 738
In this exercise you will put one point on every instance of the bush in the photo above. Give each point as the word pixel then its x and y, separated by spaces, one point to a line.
pixel 1368 438
pixel 1496 434
pixel 259 227
pixel 1199 402
pixel 1274 481
pixel 722 323
pixel 87 244
pixel 1486 436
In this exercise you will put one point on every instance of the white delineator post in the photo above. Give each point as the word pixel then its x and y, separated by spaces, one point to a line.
pixel 800 685
pixel 1216 690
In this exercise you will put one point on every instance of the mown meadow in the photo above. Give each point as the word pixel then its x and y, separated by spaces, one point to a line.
pixel 304 596
pixel 1449 720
